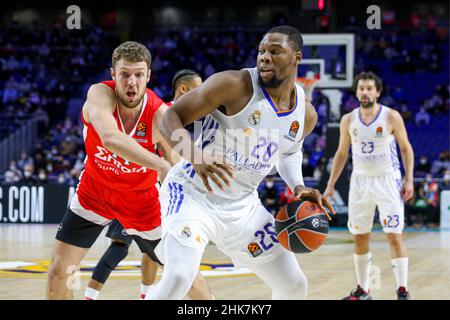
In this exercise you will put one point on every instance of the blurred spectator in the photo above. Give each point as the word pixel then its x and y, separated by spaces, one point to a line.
pixel 436 104
pixel 422 117
pixel 287 196
pixel 28 175
pixel 315 156
pixel 431 196
pixel 68 146
pixel 307 168
pixel 421 212
pixel 440 165
pixel 386 99
pixel 405 112
pixel 24 160
pixel 61 178
pixel 270 197
pixel 320 169
pixel 42 177
pixel 415 20
pixel 445 184
pixel 423 166
pixel 350 103
pixel 388 17
pixel 13 174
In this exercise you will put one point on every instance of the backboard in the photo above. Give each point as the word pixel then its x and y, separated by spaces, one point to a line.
pixel 329 58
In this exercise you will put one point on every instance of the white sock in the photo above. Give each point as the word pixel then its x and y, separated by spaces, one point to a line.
pixel 400 268
pixel 91 294
pixel 363 263
pixel 145 289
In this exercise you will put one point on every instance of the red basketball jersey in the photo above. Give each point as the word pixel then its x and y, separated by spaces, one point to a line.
pixel 110 169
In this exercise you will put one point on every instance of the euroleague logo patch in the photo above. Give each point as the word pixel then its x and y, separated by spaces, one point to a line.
pixel 379 131
pixel 141 129
pixel 293 130
pixel 254 249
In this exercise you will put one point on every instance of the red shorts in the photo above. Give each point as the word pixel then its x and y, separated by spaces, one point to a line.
pixel 138 211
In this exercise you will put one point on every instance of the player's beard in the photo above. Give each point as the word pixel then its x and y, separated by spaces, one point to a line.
pixel 123 98
pixel 273 82
pixel 367 105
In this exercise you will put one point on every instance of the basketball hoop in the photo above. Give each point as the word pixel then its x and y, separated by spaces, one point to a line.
pixel 308 85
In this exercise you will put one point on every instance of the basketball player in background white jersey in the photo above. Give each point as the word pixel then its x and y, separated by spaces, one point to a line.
pixel 372 130
pixel 255 119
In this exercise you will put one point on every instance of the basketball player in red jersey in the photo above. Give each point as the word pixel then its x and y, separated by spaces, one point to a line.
pixel 120 119
pixel 182 82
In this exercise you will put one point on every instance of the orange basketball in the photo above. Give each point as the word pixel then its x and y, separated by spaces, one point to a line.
pixel 301 226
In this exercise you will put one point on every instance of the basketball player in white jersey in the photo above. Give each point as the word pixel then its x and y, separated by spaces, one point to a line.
pixel 372 131
pixel 255 119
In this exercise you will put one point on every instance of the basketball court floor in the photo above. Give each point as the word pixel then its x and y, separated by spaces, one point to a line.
pixel 25 255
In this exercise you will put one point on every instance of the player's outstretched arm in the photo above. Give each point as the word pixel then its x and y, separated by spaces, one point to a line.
pixel 98 110
pixel 340 157
pixel 406 150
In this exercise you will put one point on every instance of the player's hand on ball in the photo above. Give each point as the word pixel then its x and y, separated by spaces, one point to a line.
pixel 315 196
pixel 214 168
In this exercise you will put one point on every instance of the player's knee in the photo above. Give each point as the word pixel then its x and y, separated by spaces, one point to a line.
pixel 395 240
pixel 116 252
pixel 184 277
pixel 299 287
pixel 295 289
pixel 199 282
pixel 200 289
pixel 58 271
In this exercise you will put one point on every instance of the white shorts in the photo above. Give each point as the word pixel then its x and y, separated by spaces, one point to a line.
pixel 243 230
pixel 383 192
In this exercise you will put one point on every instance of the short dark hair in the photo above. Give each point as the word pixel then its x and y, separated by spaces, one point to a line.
pixel 368 76
pixel 132 51
pixel 181 76
pixel 294 36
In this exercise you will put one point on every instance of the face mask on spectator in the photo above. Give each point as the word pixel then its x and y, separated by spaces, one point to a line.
pixel 12 167
pixel 269 184
pixel 305 161
pixel 49 168
pixel 447 177
pixel 61 179
pixel 423 161
pixel 42 176
pixel 27 174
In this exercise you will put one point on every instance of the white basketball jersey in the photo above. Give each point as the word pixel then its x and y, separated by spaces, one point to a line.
pixel 251 140
pixel 374 149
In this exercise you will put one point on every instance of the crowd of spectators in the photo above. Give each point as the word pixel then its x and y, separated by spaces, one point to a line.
pixel 58 158
pixel 423 209
pixel 41 70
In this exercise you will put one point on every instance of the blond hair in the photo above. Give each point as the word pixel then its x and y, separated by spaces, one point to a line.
pixel 131 51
